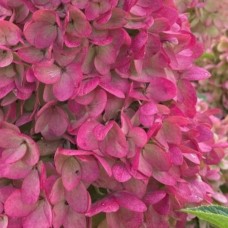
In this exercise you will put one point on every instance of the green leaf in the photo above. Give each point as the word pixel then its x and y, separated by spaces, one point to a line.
pixel 214 214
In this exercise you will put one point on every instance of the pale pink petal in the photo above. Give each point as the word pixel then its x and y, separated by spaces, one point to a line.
pixel 57 192
pixel 3 221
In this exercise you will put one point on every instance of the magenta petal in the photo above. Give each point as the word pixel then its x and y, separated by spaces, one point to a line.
pixel 106 205
pixel 15 207
pixel 176 155
pixel 48 74
pixel 71 173
pixel 129 201
pixel 78 199
pixel 40 217
pixel 30 189
pixel 163 206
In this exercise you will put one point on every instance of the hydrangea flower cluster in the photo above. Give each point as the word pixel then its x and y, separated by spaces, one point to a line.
pixel 98 119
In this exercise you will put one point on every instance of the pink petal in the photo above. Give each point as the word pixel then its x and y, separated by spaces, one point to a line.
pixel 40 34
pixel 6 57
pixel 13 154
pixel 172 132
pixel 85 137
pixel 48 74
pixel 176 155
pixel 9 138
pixel 74 219
pixel 157 157
pixel 15 170
pixel 11 31
pixel 130 202
pixel 115 143
pixel 120 172
pixel 117 20
pixel 88 85
pixel 30 189
pixel 40 217
pixel 195 73
pixel 106 205
pixel 138 135
pixel 154 196
pixel 60 212
pixel 71 173
pixel 164 178
pixel 30 54
pixel 57 192
pixel 161 89
pixel 78 199
pixel 80 27
pixel 163 206
pixel 15 207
